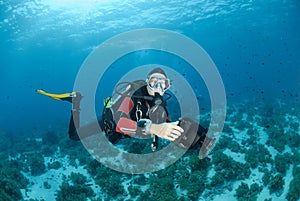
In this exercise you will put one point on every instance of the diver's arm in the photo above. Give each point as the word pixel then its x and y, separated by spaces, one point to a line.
pixel 124 124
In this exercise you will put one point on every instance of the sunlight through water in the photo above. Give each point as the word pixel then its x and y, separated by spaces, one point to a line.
pixel 79 4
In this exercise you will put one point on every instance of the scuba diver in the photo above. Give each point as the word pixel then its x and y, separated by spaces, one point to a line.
pixel 139 111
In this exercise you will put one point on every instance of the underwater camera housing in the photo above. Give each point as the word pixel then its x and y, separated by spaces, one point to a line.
pixel 193 135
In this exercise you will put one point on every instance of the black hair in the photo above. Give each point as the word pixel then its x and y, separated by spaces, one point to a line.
pixel 157 70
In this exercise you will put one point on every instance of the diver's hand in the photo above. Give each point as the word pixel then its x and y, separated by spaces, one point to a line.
pixel 169 131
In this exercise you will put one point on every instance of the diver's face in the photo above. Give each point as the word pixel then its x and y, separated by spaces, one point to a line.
pixel 157 83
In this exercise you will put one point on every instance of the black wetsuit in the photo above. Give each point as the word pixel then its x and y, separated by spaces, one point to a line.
pixel 125 118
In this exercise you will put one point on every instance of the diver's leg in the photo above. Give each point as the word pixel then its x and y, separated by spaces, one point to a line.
pixel 74 126
pixel 85 131
pixel 199 138
pixel 193 135
pixel 75 117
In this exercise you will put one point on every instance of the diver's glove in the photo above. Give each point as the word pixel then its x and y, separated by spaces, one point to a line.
pixel 169 131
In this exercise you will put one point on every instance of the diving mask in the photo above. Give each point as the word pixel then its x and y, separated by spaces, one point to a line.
pixel 158 83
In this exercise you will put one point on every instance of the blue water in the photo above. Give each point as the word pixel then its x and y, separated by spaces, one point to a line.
pixel 254 45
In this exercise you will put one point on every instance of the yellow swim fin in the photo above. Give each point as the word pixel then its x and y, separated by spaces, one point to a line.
pixel 64 96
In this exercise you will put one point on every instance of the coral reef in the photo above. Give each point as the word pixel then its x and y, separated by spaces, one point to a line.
pixel 156 192
pixel 294 190
pixel 241 166
pixel 246 193
pixel 78 178
pixel 11 180
pixel 110 182
pixel 230 169
pixel 258 154
pixel 54 165
pixel 46 185
pixel 217 180
pixel 277 138
pixel 75 192
pixel 282 162
pixel 229 143
pixel 36 163
pixel 276 184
